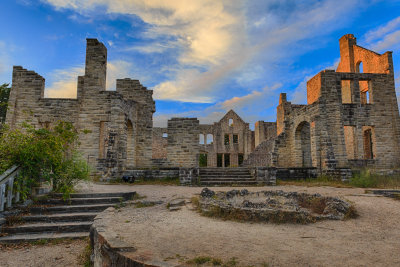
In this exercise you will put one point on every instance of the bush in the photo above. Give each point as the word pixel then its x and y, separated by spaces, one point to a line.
pixel 44 155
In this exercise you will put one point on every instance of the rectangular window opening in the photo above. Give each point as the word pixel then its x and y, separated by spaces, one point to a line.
pixel 219 160
pixel 240 159
pixel 227 160
pixel 235 139
pixel 226 139
pixel 346 92
pixel 365 92
pixel 203 160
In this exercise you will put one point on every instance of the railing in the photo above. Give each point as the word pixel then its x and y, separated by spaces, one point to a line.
pixel 7 187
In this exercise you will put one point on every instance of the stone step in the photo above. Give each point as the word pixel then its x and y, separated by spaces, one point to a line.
pixel 228 179
pixel 125 195
pixel 80 201
pixel 228 183
pixel 70 208
pixel 42 236
pixel 227 176
pixel 222 171
pixel 59 227
pixel 62 217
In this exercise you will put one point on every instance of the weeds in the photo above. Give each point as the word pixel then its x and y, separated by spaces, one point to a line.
pixel 84 257
pixel 205 259
pixel 366 179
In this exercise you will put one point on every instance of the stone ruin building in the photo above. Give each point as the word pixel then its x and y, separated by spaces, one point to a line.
pixel 115 126
pixel 351 120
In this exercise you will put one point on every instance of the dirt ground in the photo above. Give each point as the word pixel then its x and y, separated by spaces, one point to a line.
pixel 159 235
pixel 173 238
pixel 66 253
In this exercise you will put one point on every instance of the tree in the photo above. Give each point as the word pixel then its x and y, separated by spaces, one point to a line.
pixel 44 155
pixel 4 95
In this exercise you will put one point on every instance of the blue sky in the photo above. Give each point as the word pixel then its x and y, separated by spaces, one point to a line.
pixel 201 57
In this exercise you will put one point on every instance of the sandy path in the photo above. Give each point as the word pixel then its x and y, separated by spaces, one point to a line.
pixel 64 254
pixel 373 239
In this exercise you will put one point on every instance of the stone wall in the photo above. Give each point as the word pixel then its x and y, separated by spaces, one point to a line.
pixel 183 145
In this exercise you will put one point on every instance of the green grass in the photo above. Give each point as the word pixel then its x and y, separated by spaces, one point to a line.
pixel 205 259
pixel 365 179
pixel 319 181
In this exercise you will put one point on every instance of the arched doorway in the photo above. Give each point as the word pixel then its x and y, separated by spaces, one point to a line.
pixel 303 145
pixel 130 145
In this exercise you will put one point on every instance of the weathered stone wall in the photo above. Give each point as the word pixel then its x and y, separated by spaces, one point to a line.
pixel 183 144
pixel 264 131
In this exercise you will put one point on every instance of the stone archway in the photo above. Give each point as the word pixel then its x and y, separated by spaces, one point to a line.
pixel 303 145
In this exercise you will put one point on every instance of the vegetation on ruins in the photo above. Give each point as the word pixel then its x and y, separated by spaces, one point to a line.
pixel 44 155
pixel 4 95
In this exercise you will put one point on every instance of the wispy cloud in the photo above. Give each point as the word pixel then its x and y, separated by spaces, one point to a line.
pixel 384 37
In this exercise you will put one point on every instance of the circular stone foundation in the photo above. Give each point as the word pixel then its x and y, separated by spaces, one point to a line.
pixel 273 206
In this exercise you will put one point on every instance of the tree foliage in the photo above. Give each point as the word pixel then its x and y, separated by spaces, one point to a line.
pixel 44 155
pixel 4 95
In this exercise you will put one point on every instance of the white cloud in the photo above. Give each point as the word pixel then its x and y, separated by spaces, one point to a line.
pixel 65 82
pixel 383 30
pixel 384 37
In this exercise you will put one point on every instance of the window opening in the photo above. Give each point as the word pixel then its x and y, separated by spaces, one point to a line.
pixel 201 139
pixel 210 139
pixel 226 139
pixel 235 139
pixel 230 122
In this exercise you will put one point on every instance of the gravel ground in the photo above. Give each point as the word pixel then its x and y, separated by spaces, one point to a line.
pixel 66 253
pixel 159 235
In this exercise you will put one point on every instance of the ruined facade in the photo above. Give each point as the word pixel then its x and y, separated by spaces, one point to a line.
pixel 115 126
pixel 351 118
pixel 187 143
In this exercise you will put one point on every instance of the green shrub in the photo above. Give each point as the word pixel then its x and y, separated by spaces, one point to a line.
pixel 48 155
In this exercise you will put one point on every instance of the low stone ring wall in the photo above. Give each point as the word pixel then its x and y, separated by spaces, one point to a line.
pixel 273 206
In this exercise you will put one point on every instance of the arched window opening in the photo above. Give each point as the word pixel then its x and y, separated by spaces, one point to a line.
pixel 230 122
pixel 359 67
pixel 303 145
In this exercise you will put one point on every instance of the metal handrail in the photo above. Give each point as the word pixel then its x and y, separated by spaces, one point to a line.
pixel 7 187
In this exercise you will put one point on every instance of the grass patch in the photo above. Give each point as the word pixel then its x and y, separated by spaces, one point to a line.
pixel 366 179
pixel 205 259
pixel 319 181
